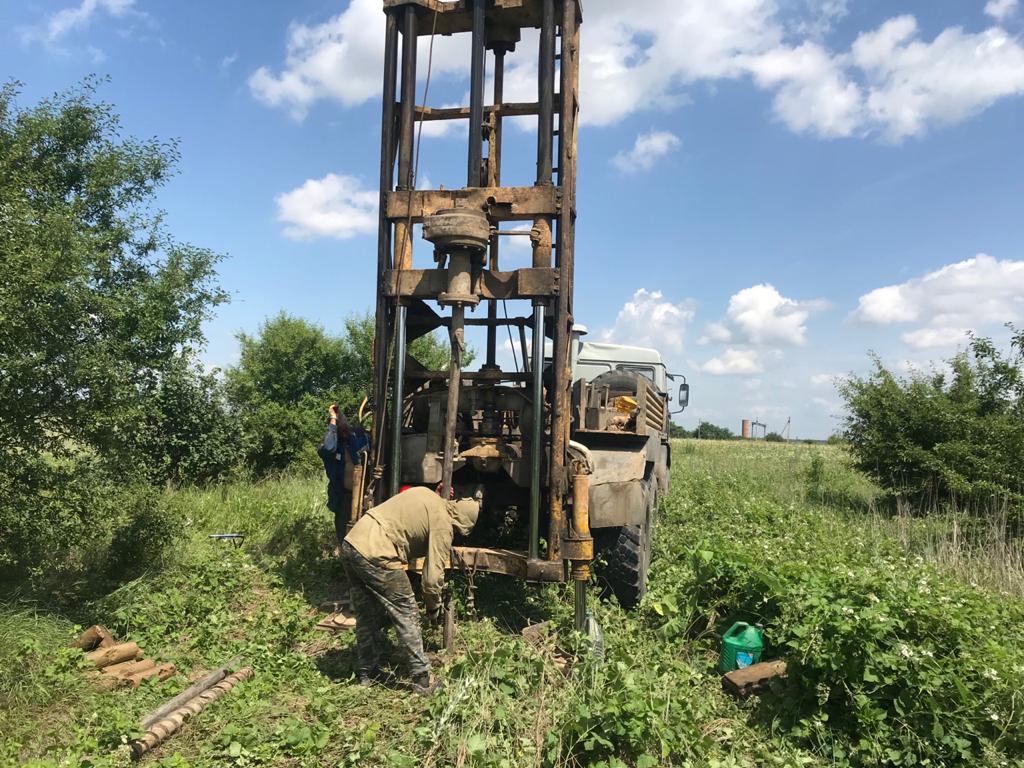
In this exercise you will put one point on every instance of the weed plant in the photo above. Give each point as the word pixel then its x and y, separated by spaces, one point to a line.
pixel 894 660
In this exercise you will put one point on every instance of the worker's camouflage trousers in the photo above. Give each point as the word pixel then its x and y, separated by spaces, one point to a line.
pixel 380 595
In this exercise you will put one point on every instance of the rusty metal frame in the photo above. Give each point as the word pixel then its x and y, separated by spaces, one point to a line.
pixel 402 287
pixel 507 562
pixel 519 284
pixel 455 17
pixel 499 203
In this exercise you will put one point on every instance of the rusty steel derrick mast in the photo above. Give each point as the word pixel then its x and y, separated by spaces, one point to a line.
pixel 510 429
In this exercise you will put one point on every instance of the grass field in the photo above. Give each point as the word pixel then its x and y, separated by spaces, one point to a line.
pixel 899 652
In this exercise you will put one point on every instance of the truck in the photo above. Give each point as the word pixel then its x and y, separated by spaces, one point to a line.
pixel 624 408
pixel 570 441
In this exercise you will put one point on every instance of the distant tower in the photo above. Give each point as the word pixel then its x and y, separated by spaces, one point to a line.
pixel 746 429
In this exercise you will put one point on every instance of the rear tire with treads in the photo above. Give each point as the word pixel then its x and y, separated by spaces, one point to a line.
pixel 627 552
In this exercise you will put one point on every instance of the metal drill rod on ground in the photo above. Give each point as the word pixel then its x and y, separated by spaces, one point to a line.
pixel 174 720
pixel 190 693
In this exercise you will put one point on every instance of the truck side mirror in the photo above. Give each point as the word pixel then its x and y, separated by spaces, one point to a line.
pixel 684 395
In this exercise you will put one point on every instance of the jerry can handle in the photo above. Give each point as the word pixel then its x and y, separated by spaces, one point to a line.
pixel 736 628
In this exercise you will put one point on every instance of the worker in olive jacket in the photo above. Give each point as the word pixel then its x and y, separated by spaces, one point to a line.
pixel 376 553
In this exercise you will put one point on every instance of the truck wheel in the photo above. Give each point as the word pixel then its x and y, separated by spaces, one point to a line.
pixel 625 575
pixel 627 551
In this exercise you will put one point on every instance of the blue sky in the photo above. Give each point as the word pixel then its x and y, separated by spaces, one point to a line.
pixel 768 189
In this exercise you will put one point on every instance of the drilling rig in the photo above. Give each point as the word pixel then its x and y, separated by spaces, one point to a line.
pixel 532 437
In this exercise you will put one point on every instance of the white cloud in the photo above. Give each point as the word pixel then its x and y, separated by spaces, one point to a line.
pixel 647 148
pixel 1001 10
pixel 227 61
pixel 884 306
pixel 890 83
pixel 913 84
pixel 818 18
pixel 634 60
pixel 926 338
pixel 827 379
pixel 716 333
pixel 66 20
pixel 342 60
pixel 335 206
pixel 734 362
pixel 970 294
pixel 813 94
pixel 761 316
pixel 649 320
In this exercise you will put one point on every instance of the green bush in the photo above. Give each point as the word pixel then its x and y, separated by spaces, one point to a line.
pixel 291 371
pixel 71 527
pixel 891 663
pixel 186 435
pixel 940 438
pixel 677 432
pixel 708 431
pixel 101 313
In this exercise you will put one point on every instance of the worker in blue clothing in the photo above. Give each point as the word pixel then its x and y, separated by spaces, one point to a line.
pixel 340 451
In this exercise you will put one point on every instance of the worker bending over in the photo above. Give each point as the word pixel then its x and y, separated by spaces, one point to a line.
pixel 376 553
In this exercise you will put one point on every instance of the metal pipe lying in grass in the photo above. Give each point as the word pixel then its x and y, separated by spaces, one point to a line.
pixel 189 693
pixel 173 722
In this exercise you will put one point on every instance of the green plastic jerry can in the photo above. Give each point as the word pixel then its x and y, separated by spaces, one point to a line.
pixel 742 646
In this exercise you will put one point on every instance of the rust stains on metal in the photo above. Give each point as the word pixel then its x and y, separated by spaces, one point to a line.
pixel 499 203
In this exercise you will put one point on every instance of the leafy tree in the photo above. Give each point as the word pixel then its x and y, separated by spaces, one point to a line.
pixel 100 312
pixel 97 299
pixel 677 432
pixel 291 370
pixel 286 377
pixel 288 360
pixel 938 436
pixel 431 351
pixel 708 431
pixel 187 434
pixel 774 437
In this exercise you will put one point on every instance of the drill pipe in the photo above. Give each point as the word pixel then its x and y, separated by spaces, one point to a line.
pixel 456 334
pixel 173 722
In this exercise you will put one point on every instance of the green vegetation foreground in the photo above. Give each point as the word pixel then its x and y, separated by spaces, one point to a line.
pixel 893 660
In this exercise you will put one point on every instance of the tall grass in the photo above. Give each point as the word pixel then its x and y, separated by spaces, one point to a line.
pixel 980 546
pixel 24 632
pixel 986 550
pixel 789 533
pixel 785 472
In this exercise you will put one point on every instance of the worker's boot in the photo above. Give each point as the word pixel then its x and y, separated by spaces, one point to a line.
pixel 424 685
